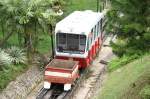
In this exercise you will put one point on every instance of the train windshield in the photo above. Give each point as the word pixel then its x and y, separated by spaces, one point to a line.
pixel 70 43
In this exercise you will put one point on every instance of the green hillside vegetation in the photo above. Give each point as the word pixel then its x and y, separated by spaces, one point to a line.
pixel 131 81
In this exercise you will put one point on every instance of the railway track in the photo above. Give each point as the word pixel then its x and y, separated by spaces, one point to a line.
pixel 56 93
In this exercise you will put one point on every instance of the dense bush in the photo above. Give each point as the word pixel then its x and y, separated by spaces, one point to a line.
pixel 119 47
pixel 145 92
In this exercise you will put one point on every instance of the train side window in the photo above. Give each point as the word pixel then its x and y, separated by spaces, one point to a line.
pixel 95 32
pixel 98 29
pixel 88 44
pixel 101 25
pixel 92 36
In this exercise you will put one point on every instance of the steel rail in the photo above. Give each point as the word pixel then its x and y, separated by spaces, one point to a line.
pixel 41 93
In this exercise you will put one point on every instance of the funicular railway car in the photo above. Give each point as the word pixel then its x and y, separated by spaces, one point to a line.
pixel 78 38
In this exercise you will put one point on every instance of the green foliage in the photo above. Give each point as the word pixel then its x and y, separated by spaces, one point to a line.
pixel 125 47
pixel 145 92
pixel 74 5
pixel 119 47
pixel 129 20
pixel 44 45
pixel 119 62
pixel 17 55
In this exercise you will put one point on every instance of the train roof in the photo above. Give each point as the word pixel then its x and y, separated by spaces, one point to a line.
pixel 78 22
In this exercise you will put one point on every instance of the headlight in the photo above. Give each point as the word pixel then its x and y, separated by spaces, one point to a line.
pixel 47 85
pixel 67 87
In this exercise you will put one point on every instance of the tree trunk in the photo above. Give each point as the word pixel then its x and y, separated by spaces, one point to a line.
pixel 51 35
pixel 35 37
pixel 19 39
pixel 2 27
pixel 28 43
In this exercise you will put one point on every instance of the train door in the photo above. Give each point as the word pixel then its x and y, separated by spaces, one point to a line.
pixel 94 41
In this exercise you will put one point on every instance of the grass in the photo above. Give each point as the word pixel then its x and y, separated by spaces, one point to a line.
pixel 145 92
pixel 73 5
pixel 125 82
pixel 43 47
pixel 13 40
